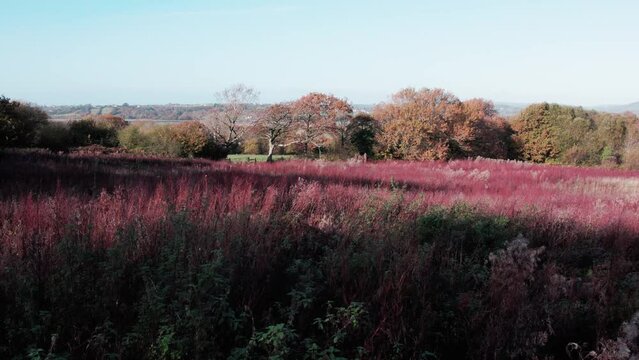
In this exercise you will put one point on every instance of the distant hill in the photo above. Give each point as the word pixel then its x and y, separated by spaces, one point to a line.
pixel 511 109
pixel 183 112
pixel 632 107
pixel 169 112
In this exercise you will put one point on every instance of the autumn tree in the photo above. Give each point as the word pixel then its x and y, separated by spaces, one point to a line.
pixel 483 132
pixel 419 124
pixel 362 132
pixel 228 121
pixel 316 115
pixel 630 153
pixel 274 124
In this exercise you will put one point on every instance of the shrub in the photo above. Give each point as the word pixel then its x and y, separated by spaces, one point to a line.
pixel 89 132
pixel 192 136
pixel 110 121
pixel 19 123
pixel 189 139
pixel 253 145
pixel 55 136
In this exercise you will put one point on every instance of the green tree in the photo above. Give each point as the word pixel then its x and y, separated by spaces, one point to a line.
pixel 19 123
pixel 362 132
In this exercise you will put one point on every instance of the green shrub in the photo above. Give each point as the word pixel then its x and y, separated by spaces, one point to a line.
pixel 89 132
pixel 55 136
pixel 19 123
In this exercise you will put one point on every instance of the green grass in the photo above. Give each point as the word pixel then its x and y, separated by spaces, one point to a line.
pixel 258 158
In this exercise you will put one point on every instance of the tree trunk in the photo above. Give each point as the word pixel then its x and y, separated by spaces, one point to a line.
pixel 271 146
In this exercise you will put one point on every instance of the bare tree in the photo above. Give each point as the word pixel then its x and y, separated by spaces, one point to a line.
pixel 274 124
pixel 226 122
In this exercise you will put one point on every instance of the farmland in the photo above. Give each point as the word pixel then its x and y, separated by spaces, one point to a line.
pixel 126 256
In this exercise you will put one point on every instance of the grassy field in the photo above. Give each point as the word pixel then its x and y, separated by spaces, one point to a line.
pixel 258 158
pixel 130 257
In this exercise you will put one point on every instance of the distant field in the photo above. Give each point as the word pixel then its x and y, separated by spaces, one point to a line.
pixel 258 158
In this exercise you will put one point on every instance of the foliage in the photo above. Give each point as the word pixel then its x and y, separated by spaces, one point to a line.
pixel 90 131
pixel 316 116
pixel 55 136
pixel 362 132
pixel 569 135
pixel 186 139
pixel 19 123
pixel 435 125
pixel 274 125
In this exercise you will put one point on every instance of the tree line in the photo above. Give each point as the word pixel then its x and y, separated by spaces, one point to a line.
pixel 415 124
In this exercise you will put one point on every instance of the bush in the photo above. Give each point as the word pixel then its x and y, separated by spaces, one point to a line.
pixel 192 137
pixel 19 123
pixel 89 132
pixel 253 145
pixel 55 136
pixel 189 139
pixel 111 121
pixel 149 138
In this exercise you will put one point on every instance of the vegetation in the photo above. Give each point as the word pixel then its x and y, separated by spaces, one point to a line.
pixel 131 257
pixel 569 135
pixel 362 133
pixel 424 124
pixel 435 125
pixel 19 123
pixel 187 139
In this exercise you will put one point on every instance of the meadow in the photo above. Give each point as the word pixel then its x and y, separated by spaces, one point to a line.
pixel 256 157
pixel 128 257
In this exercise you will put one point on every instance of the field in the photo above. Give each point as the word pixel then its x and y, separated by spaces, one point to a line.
pixel 257 157
pixel 129 257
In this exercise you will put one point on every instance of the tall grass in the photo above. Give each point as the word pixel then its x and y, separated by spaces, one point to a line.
pixel 132 257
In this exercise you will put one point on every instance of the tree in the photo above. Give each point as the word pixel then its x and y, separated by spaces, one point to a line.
pixel 483 132
pixel 572 135
pixel 192 137
pixel 419 124
pixel 316 115
pixel 274 124
pixel 226 122
pixel 362 131
pixel 19 123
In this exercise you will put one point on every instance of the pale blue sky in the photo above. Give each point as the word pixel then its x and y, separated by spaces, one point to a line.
pixel 158 51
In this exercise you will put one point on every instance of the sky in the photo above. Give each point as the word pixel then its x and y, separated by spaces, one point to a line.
pixel 579 52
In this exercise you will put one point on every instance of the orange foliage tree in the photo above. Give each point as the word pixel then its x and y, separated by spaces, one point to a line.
pixel 432 124
pixel 419 124
pixel 317 115
pixel 483 132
